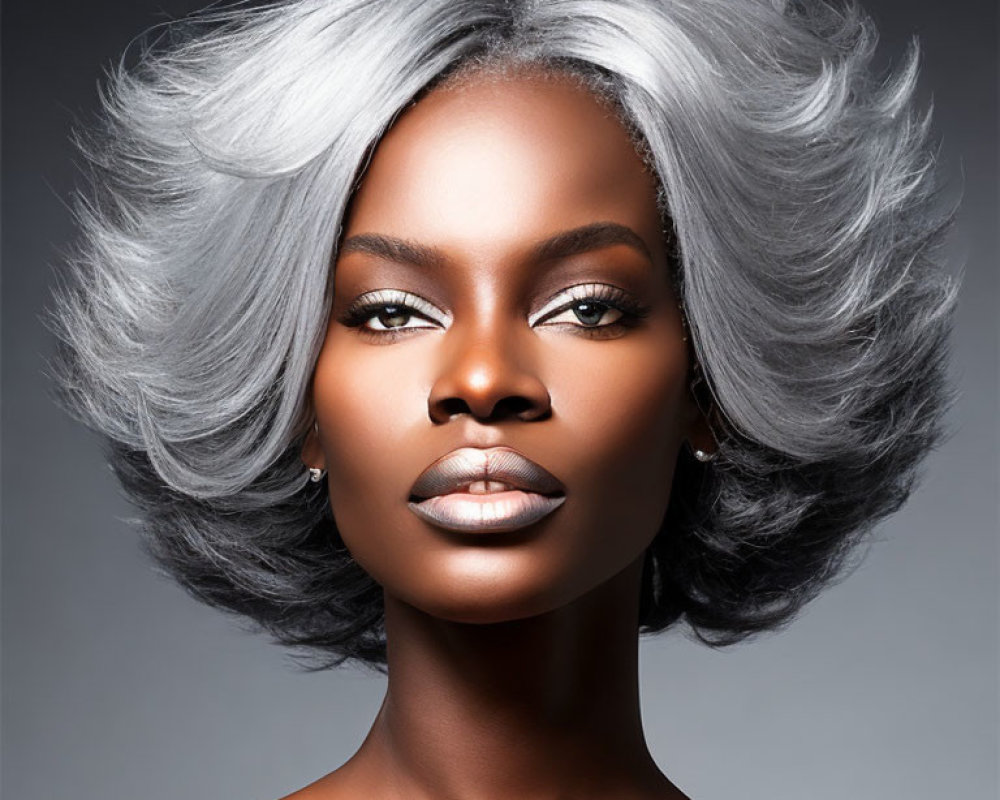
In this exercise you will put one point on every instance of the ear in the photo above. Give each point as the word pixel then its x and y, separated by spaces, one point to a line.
pixel 312 454
pixel 699 434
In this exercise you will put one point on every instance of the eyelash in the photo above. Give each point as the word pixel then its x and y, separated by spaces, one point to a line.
pixel 611 298
pixel 371 304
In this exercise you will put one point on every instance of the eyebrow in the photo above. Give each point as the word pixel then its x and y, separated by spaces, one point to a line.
pixel 589 237
pixel 567 243
pixel 392 249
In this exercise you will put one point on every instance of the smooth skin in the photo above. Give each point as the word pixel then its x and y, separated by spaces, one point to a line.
pixel 512 656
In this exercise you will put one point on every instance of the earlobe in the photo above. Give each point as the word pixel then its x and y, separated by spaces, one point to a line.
pixel 312 454
pixel 701 439
pixel 700 433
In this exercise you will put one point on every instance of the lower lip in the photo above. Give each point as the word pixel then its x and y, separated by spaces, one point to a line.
pixel 486 513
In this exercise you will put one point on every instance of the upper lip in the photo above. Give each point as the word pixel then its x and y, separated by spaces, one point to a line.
pixel 454 471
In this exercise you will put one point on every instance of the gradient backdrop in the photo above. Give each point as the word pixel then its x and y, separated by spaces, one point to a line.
pixel 117 685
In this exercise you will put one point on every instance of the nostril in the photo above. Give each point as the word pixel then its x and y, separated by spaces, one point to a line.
pixel 492 395
pixel 516 406
pixel 452 407
pixel 523 408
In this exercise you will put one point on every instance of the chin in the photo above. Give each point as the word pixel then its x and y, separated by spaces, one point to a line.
pixel 485 587
pixel 470 611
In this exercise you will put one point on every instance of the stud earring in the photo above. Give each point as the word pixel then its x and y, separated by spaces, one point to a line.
pixel 703 457
pixel 316 474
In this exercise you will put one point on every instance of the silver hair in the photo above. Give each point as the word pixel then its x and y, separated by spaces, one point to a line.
pixel 802 203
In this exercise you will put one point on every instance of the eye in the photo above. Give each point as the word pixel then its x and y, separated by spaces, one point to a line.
pixel 390 312
pixel 392 317
pixel 589 313
pixel 590 306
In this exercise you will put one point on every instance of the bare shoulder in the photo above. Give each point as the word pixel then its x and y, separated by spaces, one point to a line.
pixel 337 785
pixel 351 783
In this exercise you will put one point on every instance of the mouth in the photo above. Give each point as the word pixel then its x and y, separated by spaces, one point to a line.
pixel 485 490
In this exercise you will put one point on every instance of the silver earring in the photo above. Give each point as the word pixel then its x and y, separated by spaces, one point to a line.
pixel 704 457
pixel 316 474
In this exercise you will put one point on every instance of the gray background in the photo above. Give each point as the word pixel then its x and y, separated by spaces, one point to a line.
pixel 117 685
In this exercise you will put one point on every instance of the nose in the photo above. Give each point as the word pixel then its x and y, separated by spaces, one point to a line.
pixel 486 377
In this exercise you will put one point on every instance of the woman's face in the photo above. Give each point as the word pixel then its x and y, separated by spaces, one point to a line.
pixel 502 282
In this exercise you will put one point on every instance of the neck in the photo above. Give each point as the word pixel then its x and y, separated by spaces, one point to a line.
pixel 540 707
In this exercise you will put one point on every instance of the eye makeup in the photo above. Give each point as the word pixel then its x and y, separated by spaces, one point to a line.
pixel 384 315
pixel 596 294
pixel 384 306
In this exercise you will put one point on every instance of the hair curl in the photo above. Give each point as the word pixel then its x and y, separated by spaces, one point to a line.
pixel 807 220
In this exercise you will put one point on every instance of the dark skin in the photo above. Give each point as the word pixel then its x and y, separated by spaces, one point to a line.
pixel 512 656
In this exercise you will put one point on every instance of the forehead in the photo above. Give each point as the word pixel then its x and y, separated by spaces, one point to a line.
pixel 490 161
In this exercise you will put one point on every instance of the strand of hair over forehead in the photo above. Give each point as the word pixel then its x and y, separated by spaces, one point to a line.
pixel 799 186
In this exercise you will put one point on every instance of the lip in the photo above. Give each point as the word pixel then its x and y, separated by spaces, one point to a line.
pixel 438 496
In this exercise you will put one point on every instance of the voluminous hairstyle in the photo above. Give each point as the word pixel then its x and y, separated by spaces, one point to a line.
pixel 807 226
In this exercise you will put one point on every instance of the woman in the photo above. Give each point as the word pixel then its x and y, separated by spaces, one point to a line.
pixel 473 338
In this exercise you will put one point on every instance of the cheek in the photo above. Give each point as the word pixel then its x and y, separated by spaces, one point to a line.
pixel 367 400
pixel 364 403
pixel 364 398
pixel 625 427
pixel 632 409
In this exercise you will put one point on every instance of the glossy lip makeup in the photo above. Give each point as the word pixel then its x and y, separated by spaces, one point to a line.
pixel 490 490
